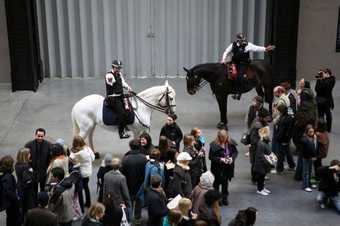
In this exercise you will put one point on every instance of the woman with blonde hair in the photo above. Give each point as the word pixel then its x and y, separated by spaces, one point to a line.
pixel 223 153
pixel 95 214
pixel 260 166
pixel 24 173
pixel 188 218
pixel 82 157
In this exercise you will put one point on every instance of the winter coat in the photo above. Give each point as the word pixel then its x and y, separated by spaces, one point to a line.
pixel 324 89
pixel 284 129
pixel 9 190
pixel 63 206
pixel 173 133
pixel 254 138
pixel 24 173
pixel 181 182
pixel 91 222
pixel 100 180
pixel 207 215
pixel 115 183
pixel 328 184
pixel 62 162
pixel 196 165
pixel 40 217
pixel 83 159
pixel 133 168
pixel 216 152
pixel 323 140
pixel 309 148
pixel 197 196
pixel 151 168
pixel 260 166
pixel 156 205
pixel 40 158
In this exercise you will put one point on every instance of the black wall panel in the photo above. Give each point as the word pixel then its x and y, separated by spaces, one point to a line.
pixel 281 31
pixel 26 66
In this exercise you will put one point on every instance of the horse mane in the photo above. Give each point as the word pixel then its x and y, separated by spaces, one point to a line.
pixel 149 91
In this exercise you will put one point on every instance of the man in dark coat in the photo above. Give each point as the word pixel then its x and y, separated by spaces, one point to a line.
pixel 262 120
pixel 133 168
pixel 41 216
pixel 324 98
pixel 283 130
pixel 40 155
pixel 329 186
pixel 172 131
pixel 156 202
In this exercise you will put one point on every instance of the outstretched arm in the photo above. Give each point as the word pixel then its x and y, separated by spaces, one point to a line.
pixel 254 48
pixel 226 53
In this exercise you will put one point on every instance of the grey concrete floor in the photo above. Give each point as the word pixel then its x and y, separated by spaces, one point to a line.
pixel 50 107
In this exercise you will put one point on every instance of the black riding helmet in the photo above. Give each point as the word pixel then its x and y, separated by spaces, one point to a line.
pixel 117 64
pixel 241 39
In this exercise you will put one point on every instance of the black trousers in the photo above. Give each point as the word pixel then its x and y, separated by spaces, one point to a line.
pixel 260 181
pixel 283 153
pixel 224 181
pixel 326 111
pixel 117 105
pixel 86 189
pixel 13 215
pixel 41 183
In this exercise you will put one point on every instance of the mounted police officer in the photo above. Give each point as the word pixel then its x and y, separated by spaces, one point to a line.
pixel 115 83
pixel 239 51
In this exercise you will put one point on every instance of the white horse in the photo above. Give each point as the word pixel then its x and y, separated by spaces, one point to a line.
pixel 88 112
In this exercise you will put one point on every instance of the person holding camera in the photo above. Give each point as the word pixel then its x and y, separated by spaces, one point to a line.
pixel 324 86
pixel 329 186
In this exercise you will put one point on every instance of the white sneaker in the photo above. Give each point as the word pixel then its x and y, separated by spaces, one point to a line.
pixel 266 190
pixel 308 189
pixel 273 171
pixel 262 192
pixel 322 206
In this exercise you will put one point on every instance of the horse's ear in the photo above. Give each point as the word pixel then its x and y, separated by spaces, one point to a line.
pixel 185 69
pixel 166 83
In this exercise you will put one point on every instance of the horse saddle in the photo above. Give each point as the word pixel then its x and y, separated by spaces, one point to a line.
pixel 232 72
pixel 110 117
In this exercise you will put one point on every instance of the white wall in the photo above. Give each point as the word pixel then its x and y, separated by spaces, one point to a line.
pixel 80 38
pixel 5 67
pixel 316 37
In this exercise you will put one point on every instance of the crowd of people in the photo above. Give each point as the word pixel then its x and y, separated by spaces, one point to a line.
pixel 175 184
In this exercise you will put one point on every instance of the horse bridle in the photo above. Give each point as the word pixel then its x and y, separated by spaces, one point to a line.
pixel 201 84
pixel 167 108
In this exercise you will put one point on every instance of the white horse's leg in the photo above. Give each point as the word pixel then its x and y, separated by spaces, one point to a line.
pixel 85 127
pixel 91 139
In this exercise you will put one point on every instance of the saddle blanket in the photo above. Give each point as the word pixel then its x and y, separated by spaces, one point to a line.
pixel 110 118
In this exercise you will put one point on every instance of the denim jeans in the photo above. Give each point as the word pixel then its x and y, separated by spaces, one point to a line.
pixel 298 169
pixel 306 172
pixel 283 153
pixel 322 199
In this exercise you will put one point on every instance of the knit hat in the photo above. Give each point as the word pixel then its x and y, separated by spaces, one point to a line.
pixel 107 159
pixel 60 141
pixel 184 156
pixel 207 179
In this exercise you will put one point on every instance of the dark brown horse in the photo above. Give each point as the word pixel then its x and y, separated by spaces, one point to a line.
pixel 216 75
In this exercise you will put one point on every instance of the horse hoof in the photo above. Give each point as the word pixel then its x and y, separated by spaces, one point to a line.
pixel 96 155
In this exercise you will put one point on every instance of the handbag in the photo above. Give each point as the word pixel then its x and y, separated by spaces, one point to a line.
pixel 271 159
pixel 124 221
pixel 245 139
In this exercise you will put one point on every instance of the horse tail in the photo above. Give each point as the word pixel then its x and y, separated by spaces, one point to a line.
pixel 76 129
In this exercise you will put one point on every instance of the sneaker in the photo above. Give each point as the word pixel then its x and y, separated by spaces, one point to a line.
pixel 267 191
pixel 322 206
pixel 308 189
pixel 267 178
pixel 314 186
pixel 273 171
pixel 262 193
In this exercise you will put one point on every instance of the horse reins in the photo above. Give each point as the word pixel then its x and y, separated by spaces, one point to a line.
pixel 162 109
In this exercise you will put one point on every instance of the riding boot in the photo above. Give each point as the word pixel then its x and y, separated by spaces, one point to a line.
pixel 122 133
